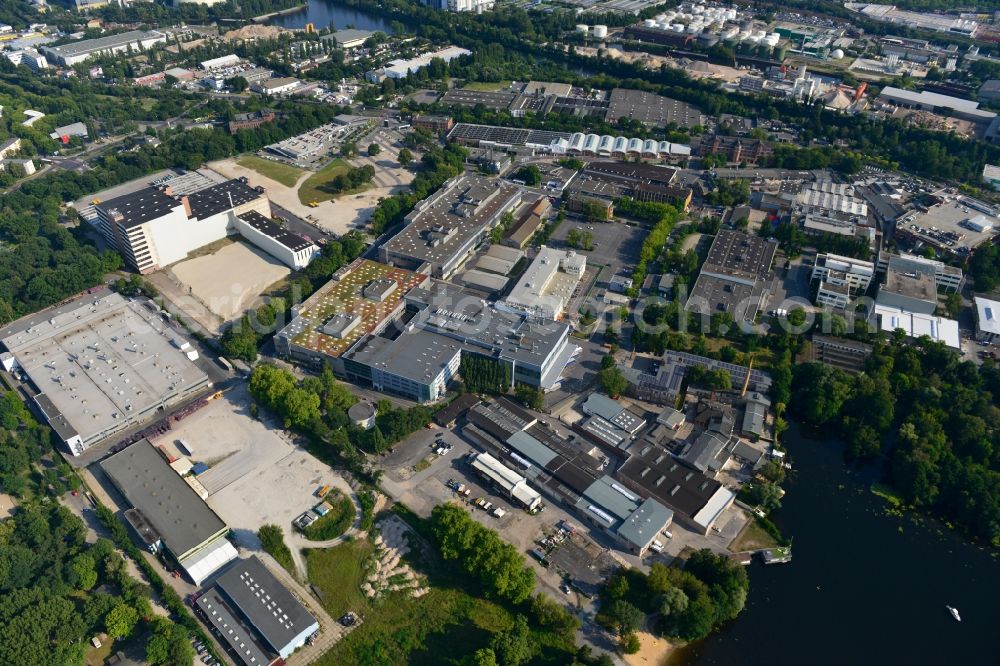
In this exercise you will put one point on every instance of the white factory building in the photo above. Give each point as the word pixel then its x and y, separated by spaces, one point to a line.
pixel 546 287
pixel 617 146
pixel 125 42
pixel 153 227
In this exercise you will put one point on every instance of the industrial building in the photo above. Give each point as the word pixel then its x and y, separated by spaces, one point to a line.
pixel 259 619
pixel 418 365
pixel 566 469
pixel 443 231
pixel 545 288
pixel 841 353
pixel 889 319
pixel 651 109
pixel 608 181
pixel 946 278
pixel 167 513
pixel 155 227
pixel 101 364
pixel 931 101
pixel 485 136
pixel 351 38
pixel 125 42
pixel 400 69
pixel 662 386
pixel 360 299
pixel 696 500
pixel 734 278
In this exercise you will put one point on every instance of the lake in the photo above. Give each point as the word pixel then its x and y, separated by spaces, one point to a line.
pixel 323 12
pixel 863 587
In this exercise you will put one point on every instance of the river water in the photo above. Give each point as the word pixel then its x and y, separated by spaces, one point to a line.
pixel 322 13
pixel 863 587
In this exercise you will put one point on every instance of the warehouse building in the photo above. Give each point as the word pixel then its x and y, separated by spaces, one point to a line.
pixel 290 249
pixel 351 38
pixel 266 619
pixel 167 513
pixel 651 109
pixel 154 227
pixel 734 278
pixel 125 42
pixel 987 313
pixel 443 231
pixel 697 501
pixel 100 364
pixel 931 101
pixel 513 486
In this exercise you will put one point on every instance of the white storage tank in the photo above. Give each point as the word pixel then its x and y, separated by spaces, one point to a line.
pixel 600 31
pixel 678 27
pixel 649 23
pixel 582 29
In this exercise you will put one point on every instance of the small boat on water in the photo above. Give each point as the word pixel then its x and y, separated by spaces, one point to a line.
pixel 954 613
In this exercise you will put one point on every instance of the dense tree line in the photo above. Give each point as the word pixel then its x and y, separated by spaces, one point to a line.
pixel 933 416
pixel 354 179
pixel 499 567
pixel 482 374
pixel 57 590
pixel 653 243
pixel 687 603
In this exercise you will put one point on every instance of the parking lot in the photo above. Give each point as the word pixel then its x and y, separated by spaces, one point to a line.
pixel 616 245
pixel 256 474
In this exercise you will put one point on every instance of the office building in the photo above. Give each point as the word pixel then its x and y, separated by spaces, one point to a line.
pixel 99 365
pixel 444 230
pixel 29 57
pixel 167 513
pixel 545 288
pixel 840 278
pixel 536 352
pixel 249 593
pixel 418 365
pixel 251 120
pixel 734 278
pixel 153 227
pixel 987 314
pixel 125 42
pixel 841 353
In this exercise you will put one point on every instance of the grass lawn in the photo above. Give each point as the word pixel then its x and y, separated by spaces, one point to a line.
pixel 311 189
pixel 338 572
pixel 485 86
pixel 753 537
pixel 335 522
pixel 283 173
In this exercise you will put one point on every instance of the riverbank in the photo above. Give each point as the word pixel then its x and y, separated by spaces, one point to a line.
pixel 653 651
pixel 281 12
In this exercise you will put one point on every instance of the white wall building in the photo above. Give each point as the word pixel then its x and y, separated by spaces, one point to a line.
pixel 546 287
pixel 75 52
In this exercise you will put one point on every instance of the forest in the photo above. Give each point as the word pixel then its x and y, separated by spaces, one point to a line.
pixel 686 602
pixel 933 418
pixel 56 589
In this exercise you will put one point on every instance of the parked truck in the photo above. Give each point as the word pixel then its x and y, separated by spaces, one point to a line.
pixel 185 448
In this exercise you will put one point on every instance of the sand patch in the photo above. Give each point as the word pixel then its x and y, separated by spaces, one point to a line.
pixel 229 280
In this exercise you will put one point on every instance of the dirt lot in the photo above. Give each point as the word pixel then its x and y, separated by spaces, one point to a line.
pixel 286 197
pixel 256 475
pixel 229 280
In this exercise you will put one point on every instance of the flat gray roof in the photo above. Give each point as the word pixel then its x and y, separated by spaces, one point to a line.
pixel 444 225
pixel 101 43
pixel 417 355
pixel 167 502
pixel 267 604
pixel 647 521
pixel 103 362
pixel 234 632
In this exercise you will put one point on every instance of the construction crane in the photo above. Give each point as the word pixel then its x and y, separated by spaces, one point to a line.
pixel 746 382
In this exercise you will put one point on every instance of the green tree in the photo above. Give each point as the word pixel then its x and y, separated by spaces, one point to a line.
pixel 374 149
pixel 630 643
pixel 83 571
pixel 121 620
pixel 349 149
pixel 404 157
pixel 612 381
pixel 672 602
pixel 484 657
pixel 515 646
